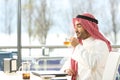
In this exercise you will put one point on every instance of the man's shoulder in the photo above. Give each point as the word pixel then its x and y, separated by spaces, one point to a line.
pixel 99 42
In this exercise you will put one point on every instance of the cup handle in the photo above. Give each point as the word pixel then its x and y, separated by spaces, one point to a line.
pixel 20 68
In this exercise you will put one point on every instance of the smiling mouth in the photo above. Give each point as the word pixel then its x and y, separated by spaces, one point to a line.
pixel 78 33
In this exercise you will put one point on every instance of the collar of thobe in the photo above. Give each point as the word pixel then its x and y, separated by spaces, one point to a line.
pixel 87 41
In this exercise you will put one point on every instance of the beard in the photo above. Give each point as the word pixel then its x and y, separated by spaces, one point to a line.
pixel 78 34
pixel 82 35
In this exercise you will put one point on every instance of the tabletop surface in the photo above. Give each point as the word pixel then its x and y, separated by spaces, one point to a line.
pixel 18 76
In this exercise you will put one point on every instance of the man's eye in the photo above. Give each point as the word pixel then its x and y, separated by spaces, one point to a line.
pixel 79 26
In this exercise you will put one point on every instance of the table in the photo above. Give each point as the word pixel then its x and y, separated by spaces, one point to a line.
pixel 18 76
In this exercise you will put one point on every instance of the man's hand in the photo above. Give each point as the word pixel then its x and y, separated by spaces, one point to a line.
pixel 74 41
pixel 70 72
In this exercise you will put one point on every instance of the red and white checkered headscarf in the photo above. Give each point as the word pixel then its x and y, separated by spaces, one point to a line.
pixel 89 23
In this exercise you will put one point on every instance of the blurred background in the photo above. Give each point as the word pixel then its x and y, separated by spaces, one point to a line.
pixel 36 29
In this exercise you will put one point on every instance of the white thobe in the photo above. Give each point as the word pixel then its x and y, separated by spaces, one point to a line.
pixel 91 58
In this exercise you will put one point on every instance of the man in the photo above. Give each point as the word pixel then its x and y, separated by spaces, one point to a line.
pixel 91 50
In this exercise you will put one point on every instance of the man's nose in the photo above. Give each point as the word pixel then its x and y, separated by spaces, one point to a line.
pixel 76 31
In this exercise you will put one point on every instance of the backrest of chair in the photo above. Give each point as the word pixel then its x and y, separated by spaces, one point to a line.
pixel 111 66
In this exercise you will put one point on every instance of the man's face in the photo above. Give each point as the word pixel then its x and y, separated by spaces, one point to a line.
pixel 80 31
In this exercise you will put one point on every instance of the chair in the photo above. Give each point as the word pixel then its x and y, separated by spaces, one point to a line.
pixel 111 66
